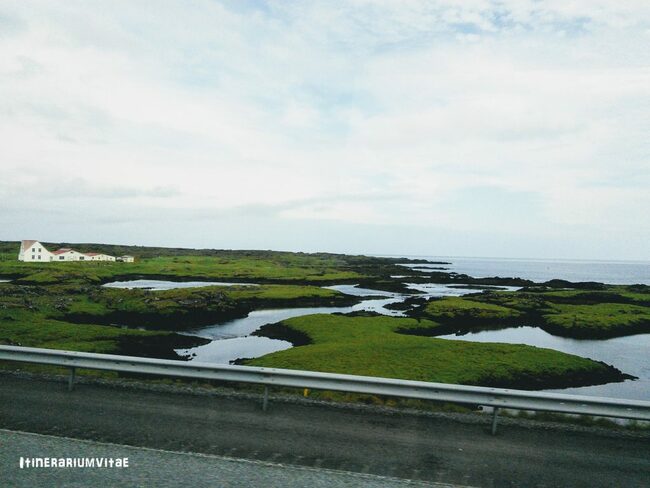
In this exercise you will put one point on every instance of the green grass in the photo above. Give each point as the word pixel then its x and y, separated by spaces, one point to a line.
pixel 456 308
pixel 221 265
pixel 35 330
pixel 208 299
pixel 279 292
pixel 60 316
pixel 200 268
pixel 372 346
pixel 612 312
pixel 599 320
pixel 635 294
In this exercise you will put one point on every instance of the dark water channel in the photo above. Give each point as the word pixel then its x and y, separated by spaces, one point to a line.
pixel 232 340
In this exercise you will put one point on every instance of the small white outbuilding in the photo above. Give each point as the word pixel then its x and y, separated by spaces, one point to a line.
pixel 96 256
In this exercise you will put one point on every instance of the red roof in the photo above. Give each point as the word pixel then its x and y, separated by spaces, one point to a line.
pixel 61 251
pixel 92 254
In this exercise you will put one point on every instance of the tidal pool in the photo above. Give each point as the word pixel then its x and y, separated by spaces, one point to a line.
pixel 630 354
pixel 157 285
pixel 431 290
pixel 222 351
pixel 232 340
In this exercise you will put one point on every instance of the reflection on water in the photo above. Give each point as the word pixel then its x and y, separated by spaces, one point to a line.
pixel 356 291
pixel 629 354
pixel 232 340
pixel 431 290
pixel 226 350
pixel 255 320
pixel 157 285
pixel 220 350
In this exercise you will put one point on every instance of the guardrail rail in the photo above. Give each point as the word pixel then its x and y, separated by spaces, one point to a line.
pixel 496 398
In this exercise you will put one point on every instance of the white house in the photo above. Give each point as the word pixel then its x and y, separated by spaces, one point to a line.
pixel 95 256
pixel 67 254
pixel 34 251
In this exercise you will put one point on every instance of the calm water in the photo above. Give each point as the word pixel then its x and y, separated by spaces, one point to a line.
pixel 169 285
pixel 228 341
pixel 629 354
pixel 613 272
pixel 431 290
pixel 232 340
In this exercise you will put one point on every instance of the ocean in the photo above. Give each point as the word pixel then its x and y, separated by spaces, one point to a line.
pixel 539 270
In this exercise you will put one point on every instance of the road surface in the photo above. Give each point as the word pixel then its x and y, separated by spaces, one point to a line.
pixel 153 467
pixel 418 447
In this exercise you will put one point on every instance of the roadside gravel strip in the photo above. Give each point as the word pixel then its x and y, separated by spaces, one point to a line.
pixel 152 467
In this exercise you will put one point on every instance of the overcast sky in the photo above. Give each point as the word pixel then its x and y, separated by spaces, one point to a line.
pixel 475 128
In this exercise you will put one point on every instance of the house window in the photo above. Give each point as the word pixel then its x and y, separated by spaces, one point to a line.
pixel 81 258
pixel 61 258
pixel 39 249
pixel 39 257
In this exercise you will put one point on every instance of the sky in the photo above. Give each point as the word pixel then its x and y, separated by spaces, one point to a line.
pixel 475 128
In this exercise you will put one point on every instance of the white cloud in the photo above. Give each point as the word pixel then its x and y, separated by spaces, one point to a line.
pixel 363 112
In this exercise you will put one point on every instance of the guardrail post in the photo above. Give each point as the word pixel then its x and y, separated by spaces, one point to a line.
pixel 265 401
pixel 73 373
pixel 495 414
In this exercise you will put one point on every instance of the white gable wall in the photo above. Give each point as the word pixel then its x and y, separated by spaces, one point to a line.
pixel 36 253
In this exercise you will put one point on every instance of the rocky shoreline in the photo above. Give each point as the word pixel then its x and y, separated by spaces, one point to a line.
pixel 195 318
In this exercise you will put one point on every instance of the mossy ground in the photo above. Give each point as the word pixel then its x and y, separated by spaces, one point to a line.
pixel 613 311
pixel 65 316
pixel 374 346
pixel 267 266
pixel 456 308
pixel 601 320
pixel 61 305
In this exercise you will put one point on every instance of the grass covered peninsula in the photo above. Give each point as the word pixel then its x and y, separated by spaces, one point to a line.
pixel 100 319
pixel 66 306
pixel 385 346
pixel 606 312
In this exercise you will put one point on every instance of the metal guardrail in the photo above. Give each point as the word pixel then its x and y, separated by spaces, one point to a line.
pixel 493 397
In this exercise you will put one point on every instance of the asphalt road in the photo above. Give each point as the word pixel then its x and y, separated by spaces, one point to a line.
pixel 404 446
pixel 152 467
